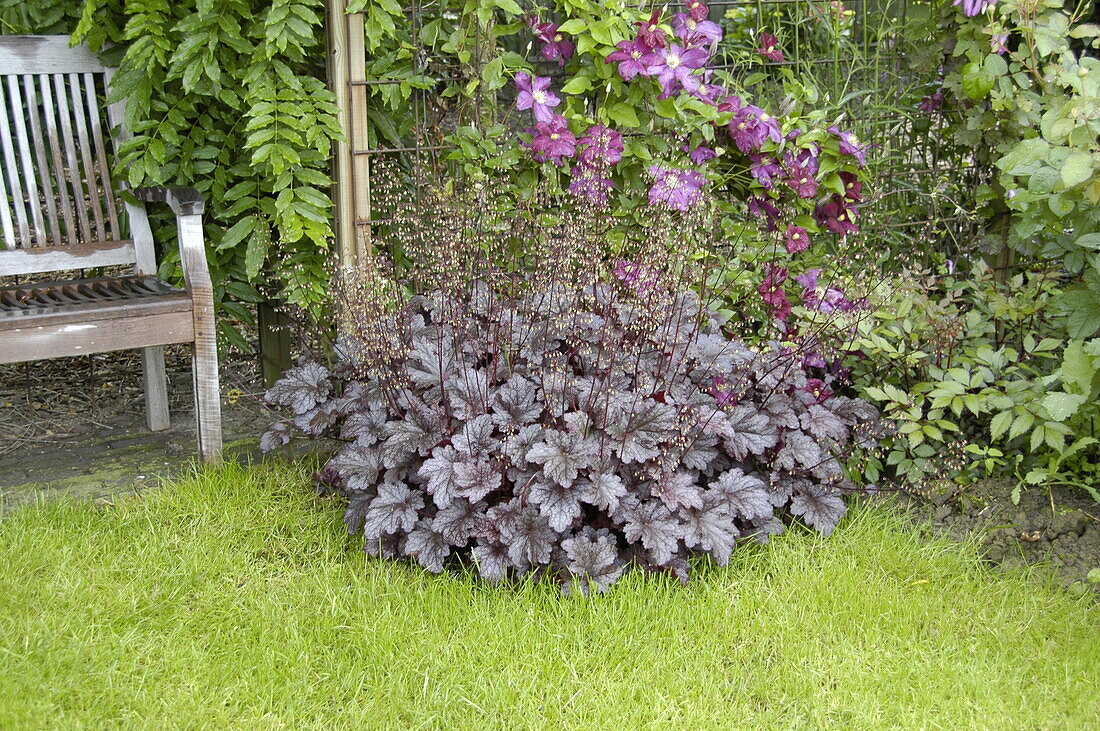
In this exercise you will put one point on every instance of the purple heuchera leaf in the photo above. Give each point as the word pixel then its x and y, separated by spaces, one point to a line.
pixel 678 489
pixel 562 455
pixel 656 527
pixel 530 538
pixel 559 504
pixel 459 521
pixel 357 466
pixel 746 496
pixel 428 547
pixel 710 527
pixel 824 425
pixel 593 559
pixel 603 489
pixel 515 404
pixel 301 388
pixel 364 427
pixel 394 509
pixel 820 508
pixel 476 437
pixel 418 433
pixel 475 480
pixel 277 435
pixel 744 430
pixel 492 560
pixel 440 475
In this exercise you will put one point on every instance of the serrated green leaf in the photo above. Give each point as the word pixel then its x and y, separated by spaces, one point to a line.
pixel 1061 406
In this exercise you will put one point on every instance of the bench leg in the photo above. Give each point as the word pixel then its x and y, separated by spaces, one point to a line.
pixel 156 388
pixel 208 406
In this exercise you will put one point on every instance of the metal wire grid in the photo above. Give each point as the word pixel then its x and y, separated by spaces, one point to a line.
pixel 917 169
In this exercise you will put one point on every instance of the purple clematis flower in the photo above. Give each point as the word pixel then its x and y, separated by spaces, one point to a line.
pixel 604 145
pixel 650 33
pixel 555 46
pixel 831 300
pixel 695 32
pixel 796 239
pixel 837 215
pixel 769 48
pixel 700 154
pixel 698 10
pixel 589 183
pixel 849 145
pixel 722 391
pixel 853 189
pixel 771 291
pixel 535 94
pixel 817 388
pixel 974 7
pixel 765 169
pixel 809 279
pixel 673 66
pixel 931 103
pixel 678 189
pixel 633 58
pixel 639 277
pixel 750 126
pixel 764 206
pixel 802 181
pixel 997 43
pixel 553 141
pixel 709 93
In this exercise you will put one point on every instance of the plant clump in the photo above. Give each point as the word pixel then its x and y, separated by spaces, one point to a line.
pixel 564 420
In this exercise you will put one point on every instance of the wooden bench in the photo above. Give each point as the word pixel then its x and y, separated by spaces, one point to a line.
pixel 60 212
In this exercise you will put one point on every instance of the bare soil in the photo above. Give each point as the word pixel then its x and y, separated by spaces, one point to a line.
pixel 77 425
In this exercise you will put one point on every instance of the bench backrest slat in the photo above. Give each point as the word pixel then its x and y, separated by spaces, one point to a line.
pixel 56 188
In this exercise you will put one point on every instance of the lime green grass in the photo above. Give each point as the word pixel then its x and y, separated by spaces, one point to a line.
pixel 235 597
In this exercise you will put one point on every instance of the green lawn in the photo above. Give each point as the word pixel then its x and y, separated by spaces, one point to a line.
pixel 235 597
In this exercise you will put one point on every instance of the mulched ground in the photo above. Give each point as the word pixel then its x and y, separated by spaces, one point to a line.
pixel 77 425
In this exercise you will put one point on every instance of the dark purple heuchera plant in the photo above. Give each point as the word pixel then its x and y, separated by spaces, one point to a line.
pixel 544 405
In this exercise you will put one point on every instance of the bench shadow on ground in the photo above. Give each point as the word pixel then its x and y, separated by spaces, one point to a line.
pixel 76 426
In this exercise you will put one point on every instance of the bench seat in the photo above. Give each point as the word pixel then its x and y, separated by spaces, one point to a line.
pixel 78 317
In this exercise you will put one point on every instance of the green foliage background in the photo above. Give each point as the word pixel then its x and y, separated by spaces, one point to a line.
pixel 227 96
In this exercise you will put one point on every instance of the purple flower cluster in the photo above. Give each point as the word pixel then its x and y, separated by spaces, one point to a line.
pixel 772 293
pixel 827 300
pixel 769 48
pixel 974 7
pixel 849 145
pixel 637 276
pixel 535 94
pixel 673 66
pixel 751 126
pixel 601 147
pixel 553 141
pixel 555 46
pixel 676 188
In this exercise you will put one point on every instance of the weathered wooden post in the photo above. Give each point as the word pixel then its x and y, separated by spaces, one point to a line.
pixel 351 168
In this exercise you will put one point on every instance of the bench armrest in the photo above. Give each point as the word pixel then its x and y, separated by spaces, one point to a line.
pixel 182 200
pixel 188 206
